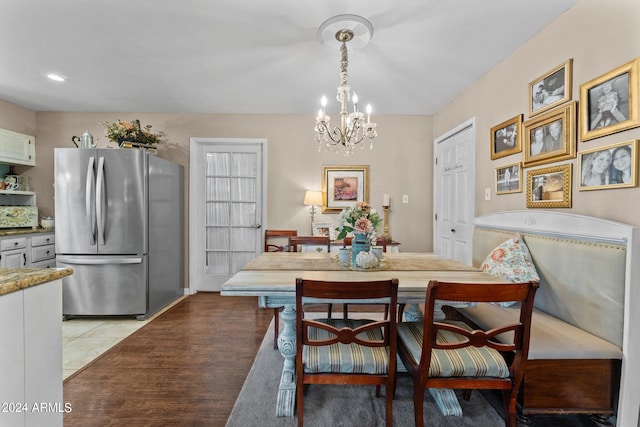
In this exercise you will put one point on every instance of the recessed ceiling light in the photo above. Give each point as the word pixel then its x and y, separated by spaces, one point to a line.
pixel 56 77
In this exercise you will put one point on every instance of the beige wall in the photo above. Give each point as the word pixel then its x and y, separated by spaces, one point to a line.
pixel 293 163
pixel 17 119
pixel 599 36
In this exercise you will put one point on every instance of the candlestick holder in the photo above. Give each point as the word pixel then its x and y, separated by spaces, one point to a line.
pixel 385 231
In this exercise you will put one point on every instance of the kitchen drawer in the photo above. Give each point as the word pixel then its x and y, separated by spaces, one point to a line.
pixel 15 243
pixel 50 263
pixel 40 253
pixel 43 239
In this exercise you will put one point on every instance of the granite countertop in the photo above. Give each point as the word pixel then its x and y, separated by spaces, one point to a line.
pixel 26 230
pixel 16 279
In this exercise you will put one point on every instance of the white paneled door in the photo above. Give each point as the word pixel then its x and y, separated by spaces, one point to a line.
pixel 454 182
pixel 226 208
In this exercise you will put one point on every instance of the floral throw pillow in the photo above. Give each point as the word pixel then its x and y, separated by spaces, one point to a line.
pixel 511 261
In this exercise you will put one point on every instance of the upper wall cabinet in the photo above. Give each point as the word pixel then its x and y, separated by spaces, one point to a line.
pixel 17 148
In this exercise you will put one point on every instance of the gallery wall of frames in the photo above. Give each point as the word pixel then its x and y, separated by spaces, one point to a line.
pixel 558 128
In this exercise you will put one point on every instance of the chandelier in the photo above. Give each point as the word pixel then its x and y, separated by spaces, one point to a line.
pixel 354 126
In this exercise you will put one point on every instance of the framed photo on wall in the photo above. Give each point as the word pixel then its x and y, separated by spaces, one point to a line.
pixel 613 166
pixel 549 187
pixel 551 89
pixel 506 138
pixel 550 137
pixel 508 179
pixel 344 186
pixel 609 103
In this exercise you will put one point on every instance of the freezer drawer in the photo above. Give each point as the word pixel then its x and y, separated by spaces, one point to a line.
pixel 107 286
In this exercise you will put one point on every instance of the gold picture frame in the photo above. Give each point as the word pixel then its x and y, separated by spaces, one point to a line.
pixel 509 178
pixel 506 138
pixel 611 166
pixel 551 89
pixel 549 187
pixel 550 137
pixel 609 103
pixel 344 186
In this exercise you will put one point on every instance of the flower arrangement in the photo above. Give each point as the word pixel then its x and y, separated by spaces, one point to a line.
pixel 121 131
pixel 361 218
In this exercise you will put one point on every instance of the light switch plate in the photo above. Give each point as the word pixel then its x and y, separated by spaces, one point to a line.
pixel 487 193
pixel 405 198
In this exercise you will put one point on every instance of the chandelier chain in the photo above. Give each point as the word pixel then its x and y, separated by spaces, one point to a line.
pixel 353 127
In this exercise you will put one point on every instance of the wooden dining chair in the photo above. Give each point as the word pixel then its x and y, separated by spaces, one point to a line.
pixel 278 236
pixel 346 351
pixel 381 241
pixel 271 246
pixel 450 354
pixel 296 241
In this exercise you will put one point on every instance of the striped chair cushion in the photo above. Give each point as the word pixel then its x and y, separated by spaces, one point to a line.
pixel 464 362
pixel 345 358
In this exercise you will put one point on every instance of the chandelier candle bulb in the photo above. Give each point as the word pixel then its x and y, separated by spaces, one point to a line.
pixel 368 113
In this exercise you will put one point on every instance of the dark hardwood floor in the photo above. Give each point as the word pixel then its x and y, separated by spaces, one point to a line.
pixel 185 368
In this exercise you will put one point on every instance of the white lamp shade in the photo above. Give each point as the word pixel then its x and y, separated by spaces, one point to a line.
pixel 313 198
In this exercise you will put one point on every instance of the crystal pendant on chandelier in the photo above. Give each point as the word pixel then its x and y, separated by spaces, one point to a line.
pixel 354 127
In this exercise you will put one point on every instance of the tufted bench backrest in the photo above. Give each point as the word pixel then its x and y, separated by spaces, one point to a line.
pixel 582 280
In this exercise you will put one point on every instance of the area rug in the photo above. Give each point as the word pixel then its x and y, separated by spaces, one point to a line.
pixel 338 405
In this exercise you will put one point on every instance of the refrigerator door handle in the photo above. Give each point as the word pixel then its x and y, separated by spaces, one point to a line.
pixel 89 197
pixel 100 201
pixel 99 261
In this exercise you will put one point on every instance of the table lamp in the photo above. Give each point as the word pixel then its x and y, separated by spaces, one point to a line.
pixel 313 199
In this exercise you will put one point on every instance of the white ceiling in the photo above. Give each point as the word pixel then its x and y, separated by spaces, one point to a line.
pixel 252 56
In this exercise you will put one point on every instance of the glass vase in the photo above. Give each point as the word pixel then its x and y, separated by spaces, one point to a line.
pixel 359 244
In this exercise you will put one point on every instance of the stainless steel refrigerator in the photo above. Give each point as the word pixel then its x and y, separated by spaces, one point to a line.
pixel 119 225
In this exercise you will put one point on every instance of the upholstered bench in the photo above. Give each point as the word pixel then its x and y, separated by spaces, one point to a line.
pixel 579 340
pixel 569 370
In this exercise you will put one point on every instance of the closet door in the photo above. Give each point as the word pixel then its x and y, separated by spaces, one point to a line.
pixel 453 203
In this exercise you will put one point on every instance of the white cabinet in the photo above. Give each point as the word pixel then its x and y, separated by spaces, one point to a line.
pixel 43 353
pixel 12 358
pixel 33 250
pixel 17 148
pixel 31 358
pixel 13 252
pixel 43 251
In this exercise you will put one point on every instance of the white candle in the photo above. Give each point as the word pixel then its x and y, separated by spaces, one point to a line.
pixel 368 113
pixel 386 201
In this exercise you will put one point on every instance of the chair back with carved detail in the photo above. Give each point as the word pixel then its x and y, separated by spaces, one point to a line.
pixel 273 236
pixel 345 351
pixel 450 354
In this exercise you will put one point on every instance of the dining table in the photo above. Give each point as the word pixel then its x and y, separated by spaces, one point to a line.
pixel 272 278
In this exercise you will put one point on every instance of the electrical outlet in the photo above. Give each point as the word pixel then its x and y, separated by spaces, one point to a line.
pixel 487 193
pixel 405 198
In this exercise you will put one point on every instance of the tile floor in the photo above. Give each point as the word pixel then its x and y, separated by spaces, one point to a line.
pixel 84 339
